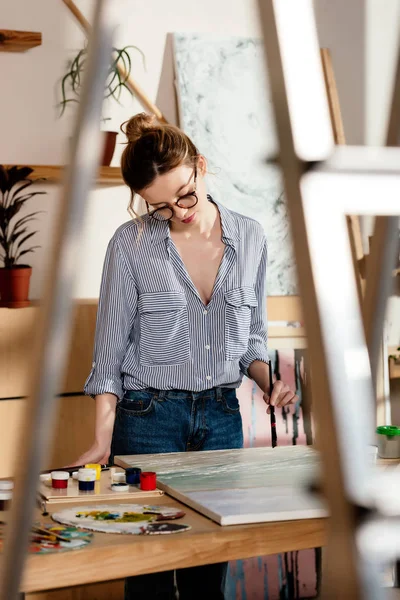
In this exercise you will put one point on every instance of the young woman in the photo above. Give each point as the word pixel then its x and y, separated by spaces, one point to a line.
pixel 181 319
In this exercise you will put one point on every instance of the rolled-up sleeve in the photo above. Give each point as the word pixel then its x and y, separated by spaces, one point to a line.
pixel 257 348
pixel 115 317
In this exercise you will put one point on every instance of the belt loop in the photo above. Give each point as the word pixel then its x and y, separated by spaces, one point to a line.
pixel 218 393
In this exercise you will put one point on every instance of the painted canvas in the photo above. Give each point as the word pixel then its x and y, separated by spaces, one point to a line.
pixel 234 487
pixel 226 469
pixel 257 505
pixel 224 108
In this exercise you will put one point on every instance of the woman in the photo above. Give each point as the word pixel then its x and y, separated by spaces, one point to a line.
pixel 180 321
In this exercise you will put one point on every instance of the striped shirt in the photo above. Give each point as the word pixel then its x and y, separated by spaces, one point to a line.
pixel 153 330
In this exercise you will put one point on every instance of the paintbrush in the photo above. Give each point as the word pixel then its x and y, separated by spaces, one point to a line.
pixel 71 470
pixel 274 439
pixel 47 532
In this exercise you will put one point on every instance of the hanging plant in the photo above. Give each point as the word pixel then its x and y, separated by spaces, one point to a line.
pixel 71 83
pixel 116 82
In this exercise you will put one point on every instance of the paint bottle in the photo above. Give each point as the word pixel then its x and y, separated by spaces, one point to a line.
pixel 118 477
pixel 59 480
pixel 148 481
pixel 86 479
pixel 120 487
pixel 132 475
pixel 6 492
pixel 96 467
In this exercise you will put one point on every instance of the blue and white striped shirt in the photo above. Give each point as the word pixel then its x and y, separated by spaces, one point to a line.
pixel 153 330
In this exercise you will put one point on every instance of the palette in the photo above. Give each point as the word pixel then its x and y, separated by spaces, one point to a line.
pixel 252 485
pixel 102 492
pixel 135 519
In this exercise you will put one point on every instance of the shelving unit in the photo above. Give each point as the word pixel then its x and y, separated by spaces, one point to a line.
pixel 54 174
pixel 18 41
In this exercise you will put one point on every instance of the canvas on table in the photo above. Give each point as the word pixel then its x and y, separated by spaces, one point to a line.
pixel 232 487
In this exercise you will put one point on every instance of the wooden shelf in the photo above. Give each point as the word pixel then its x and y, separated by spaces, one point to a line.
pixel 54 174
pixel 18 41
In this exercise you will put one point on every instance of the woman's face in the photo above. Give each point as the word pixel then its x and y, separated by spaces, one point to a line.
pixel 184 185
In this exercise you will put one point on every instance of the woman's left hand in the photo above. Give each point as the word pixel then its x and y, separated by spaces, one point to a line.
pixel 281 396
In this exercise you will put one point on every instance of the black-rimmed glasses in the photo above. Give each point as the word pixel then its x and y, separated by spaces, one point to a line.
pixel 165 213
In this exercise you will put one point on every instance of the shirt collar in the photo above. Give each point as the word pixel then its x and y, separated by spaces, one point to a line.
pixel 159 230
pixel 230 235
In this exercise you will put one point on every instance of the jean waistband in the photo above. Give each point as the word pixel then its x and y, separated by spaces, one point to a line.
pixel 179 394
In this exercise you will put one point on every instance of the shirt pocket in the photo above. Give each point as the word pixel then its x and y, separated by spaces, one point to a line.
pixel 238 308
pixel 164 329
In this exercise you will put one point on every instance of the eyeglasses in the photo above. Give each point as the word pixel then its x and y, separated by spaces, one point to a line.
pixel 165 213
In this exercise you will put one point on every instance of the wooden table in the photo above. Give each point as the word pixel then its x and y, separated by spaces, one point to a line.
pixel 111 557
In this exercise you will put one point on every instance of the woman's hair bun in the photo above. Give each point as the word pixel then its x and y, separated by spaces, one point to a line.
pixel 138 126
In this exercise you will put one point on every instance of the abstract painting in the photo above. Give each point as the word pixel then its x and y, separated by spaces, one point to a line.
pixel 223 107
pixel 234 487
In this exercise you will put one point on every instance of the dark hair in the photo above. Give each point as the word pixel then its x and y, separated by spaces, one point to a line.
pixel 152 149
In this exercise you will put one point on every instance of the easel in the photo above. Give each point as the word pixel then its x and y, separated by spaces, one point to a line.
pixel 365 268
pixel 348 475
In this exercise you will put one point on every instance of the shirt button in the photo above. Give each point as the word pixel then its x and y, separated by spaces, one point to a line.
pixel 93 364
pixel 205 312
pixel 207 347
pixel 208 377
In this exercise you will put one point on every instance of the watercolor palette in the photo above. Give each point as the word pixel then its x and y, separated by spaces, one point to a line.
pixel 135 519
pixel 78 540
pixel 102 492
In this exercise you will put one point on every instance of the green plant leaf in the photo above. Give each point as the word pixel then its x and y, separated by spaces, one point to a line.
pixel 140 52
pixel 25 239
pixel 72 81
pixel 30 217
pixel 16 259
pixel 15 235
pixel 3 179
pixel 25 197
pixel 16 174
pixel 17 189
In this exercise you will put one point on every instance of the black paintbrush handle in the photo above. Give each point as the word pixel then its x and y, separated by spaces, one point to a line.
pixel 274 439
pixel 71 470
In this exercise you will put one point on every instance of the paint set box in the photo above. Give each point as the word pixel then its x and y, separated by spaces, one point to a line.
pixel 102 490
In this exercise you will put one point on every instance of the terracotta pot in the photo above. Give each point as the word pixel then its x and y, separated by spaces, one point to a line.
pixel 14 286
pixel 110 138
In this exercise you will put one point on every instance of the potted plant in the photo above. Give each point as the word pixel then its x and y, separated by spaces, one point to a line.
pixel 14 236
pixel 116 82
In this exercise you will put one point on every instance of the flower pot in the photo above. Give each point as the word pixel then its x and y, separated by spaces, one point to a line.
pixel 14 286
pixel 110 138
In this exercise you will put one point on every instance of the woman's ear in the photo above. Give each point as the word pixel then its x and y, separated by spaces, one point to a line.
pixel 201 165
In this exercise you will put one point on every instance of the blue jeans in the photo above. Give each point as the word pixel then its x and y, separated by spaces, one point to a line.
pixel 153 421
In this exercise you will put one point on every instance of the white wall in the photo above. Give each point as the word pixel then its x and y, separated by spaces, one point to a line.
pixel 382 38
pixel 341 29
pixel 31 132
pixel 381 47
